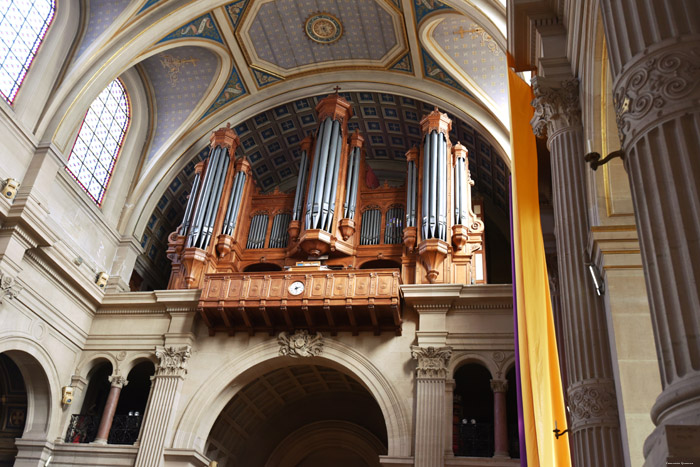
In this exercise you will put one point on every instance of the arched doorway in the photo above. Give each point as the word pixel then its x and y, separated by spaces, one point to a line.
pixel 25 405
pixel 473 412
pixel 299 415
pixel 13 408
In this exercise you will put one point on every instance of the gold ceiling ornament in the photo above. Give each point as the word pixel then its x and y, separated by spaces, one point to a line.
pixel 323 28
pixel 173 65
pixel 477 32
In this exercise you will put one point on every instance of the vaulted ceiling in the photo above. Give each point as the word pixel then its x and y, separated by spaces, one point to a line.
pixel 262 65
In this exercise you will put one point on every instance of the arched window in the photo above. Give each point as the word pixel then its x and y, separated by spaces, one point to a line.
pixel 22 28
pixel 100 138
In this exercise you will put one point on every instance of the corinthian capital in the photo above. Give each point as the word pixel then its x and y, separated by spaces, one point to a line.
pixel 173 360
pixel 557 105
pixel 432 362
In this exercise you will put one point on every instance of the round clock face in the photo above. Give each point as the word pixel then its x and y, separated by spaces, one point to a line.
pixel 296 288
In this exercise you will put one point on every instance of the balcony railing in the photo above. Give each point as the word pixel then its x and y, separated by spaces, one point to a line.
pixel 83 429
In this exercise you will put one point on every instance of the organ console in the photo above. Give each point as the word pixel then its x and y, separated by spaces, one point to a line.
pixel 331 255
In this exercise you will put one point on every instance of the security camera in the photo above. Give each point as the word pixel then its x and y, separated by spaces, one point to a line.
pixel 67 397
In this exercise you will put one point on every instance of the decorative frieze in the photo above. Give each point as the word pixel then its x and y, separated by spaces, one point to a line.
pixel 432 361
pixel 300 344
pixel 173 360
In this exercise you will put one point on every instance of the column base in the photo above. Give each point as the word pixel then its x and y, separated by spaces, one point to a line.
pixel 99 441
pixel 673 444
pixel 396 461
pixel 32 453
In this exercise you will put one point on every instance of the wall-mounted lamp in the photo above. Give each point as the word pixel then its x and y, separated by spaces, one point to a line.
pixel 67 395
pixel 598 282
pixel 557 432
pixel 594 158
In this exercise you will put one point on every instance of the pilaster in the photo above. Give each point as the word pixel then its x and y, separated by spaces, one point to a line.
pixel 431 375
pixel 655 68
pixel 162 403
pixel 595 436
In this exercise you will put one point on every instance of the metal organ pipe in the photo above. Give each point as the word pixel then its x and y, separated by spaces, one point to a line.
pixel 214 199
pixel 334 180
pixel 234 203
pixel 432 208
pixel 442 187
pixel 466 188
pixel 330 174
pixel 425 195
pixel 196 230
pixel 356 181
pixel 301 184
pixel 349 187
pixel 313 182
pixel 190 203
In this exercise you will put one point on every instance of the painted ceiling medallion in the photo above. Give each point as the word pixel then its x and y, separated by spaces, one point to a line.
pixel 323 28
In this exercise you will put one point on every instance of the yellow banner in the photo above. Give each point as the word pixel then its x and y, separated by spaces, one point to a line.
pixel 543 402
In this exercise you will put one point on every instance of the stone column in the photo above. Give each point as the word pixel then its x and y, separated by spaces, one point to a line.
pixel 162 403
pixel 449 416
pixel 594 424
pixel 500 418
pixel 430 404
pixel 654 52
pixel 118 382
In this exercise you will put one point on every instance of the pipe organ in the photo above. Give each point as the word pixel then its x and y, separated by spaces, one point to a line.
pixel 349 245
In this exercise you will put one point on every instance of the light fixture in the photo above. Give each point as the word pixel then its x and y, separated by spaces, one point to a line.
pixel 598 282
pixel 594 158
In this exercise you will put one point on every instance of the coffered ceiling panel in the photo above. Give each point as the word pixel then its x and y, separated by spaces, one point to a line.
pixel 285 37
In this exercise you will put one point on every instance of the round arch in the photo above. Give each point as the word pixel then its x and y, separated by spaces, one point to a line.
pixel 200 413
pixel 460 359
pixel 41 381
pixel 327 435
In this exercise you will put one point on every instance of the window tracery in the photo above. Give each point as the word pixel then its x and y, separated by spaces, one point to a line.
pixel 23 26
pixel 99 140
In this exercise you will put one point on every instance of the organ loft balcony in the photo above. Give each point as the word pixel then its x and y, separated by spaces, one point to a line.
pixel 331 255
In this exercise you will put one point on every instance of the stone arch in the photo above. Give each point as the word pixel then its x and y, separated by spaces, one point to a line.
pixel 462 358
pixel 333 434
pixel 93 360
pixel 201 412
pixel 42 385
pixel 135 359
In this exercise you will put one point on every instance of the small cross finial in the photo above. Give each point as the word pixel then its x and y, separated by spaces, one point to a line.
pixel 460 31
pixel 228 124
pixel 336 89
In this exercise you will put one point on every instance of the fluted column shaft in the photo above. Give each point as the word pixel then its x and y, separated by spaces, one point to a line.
pixel 654 50
pixel 595 425
pixel 161 405
pixel 118 382
pixel 430 405
pixel 500 417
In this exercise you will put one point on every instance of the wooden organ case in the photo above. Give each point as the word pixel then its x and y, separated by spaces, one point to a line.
pixel 331 255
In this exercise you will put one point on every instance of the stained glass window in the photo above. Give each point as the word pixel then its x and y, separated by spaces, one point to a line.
pixel 99 140
pixel 22 28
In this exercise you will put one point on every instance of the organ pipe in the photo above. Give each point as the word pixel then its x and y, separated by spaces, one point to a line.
pixel 214 199
pixel 301 184
pixel 214 157
pixel 191 200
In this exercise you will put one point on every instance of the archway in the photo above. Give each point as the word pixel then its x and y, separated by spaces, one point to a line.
pixel 216 392
pixel 473 412
pixel 297 415
pixel 25 409
pixel 13 409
